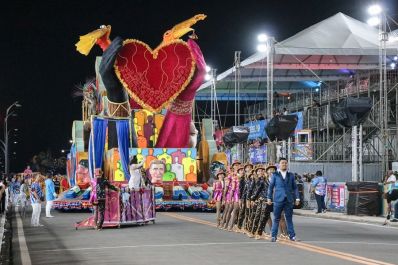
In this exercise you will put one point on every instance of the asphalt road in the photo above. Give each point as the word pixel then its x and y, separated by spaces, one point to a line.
pixel 191 238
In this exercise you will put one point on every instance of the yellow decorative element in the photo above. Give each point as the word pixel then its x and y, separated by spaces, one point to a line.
pixel 87 41
pixel 165 157
pixel 181 29
pixel 159 119
pixel 140 157
pixel 119 173
pixel 187 162
pixel 155 54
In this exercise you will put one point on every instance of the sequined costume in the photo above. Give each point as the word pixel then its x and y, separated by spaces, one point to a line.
pixel 235 195
pixel 243 185
pixel 258 186
pixel 228 200
pixel 218 191
pixel 235 202
pixel 263 210
pixel 249 191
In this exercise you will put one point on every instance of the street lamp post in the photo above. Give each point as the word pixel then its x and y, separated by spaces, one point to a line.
pixel 6 132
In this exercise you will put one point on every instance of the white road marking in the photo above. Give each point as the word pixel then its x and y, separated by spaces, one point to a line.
pixel 160 245
pixel 350 222
pixel 2 221
pixel 23 248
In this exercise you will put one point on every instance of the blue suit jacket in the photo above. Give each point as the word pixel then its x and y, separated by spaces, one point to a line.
pixel 283 188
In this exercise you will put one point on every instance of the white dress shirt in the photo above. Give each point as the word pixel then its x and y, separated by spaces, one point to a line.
pixel 283 173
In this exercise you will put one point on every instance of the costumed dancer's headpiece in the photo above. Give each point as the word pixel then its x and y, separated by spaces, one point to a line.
pixel 270 166
pixel 248 165
pixel 258 168
pixel 220 173
pixel 235 163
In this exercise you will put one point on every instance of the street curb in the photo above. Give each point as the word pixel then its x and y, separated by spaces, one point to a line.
pixel 356 219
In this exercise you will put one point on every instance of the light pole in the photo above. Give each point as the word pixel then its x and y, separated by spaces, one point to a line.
pixel 379 19
pixel 4 143
pixel 266 45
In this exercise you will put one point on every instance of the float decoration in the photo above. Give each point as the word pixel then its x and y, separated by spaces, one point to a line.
pixel 154 78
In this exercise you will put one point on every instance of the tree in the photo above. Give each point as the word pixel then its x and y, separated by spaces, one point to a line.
pixel 44 162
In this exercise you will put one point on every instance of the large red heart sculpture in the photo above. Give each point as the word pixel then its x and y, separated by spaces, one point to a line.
pixel 154 78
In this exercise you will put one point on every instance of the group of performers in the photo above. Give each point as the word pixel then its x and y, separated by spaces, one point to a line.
pixel 242 194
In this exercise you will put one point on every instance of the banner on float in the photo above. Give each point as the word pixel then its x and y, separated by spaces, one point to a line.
pixel 257 129
pixel 258 155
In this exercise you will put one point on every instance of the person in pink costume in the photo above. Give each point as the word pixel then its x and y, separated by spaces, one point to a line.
pixel 178 116
pixel 218 187
pixel 236 196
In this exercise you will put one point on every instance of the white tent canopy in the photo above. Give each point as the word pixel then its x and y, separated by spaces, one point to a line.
pixel 327 48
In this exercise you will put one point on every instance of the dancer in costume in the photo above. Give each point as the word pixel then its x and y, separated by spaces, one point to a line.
pixel 248 192
pixel 242 194
pixel 229 203
pixel 227 200
pixel 100 189
pixel 259 186
pixel 263 212
pixel 249 204
pixel 218 187
pixel 236 196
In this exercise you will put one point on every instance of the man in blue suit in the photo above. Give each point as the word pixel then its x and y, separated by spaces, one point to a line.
pixel 284 193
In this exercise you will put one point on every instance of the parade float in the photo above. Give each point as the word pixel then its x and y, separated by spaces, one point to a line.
pixel 139 107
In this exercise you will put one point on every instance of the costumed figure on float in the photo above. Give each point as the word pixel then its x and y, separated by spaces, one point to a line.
pixel 144 115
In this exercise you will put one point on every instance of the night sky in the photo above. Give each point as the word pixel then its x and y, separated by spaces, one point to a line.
pixel 40 66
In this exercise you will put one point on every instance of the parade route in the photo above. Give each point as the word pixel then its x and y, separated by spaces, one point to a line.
pixel 181 237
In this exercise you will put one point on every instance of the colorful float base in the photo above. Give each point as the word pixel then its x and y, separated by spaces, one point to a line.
pixel 125 208
pixel 183 204
pixel 73 205
pixel 77 203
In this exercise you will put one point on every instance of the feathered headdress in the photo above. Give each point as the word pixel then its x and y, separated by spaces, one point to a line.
pixel 99 36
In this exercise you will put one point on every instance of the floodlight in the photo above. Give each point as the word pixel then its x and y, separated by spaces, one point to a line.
pixel 374 10
pixel 262 37
pixel 373 21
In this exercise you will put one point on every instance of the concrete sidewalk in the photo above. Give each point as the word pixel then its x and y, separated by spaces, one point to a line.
pixel 345 217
